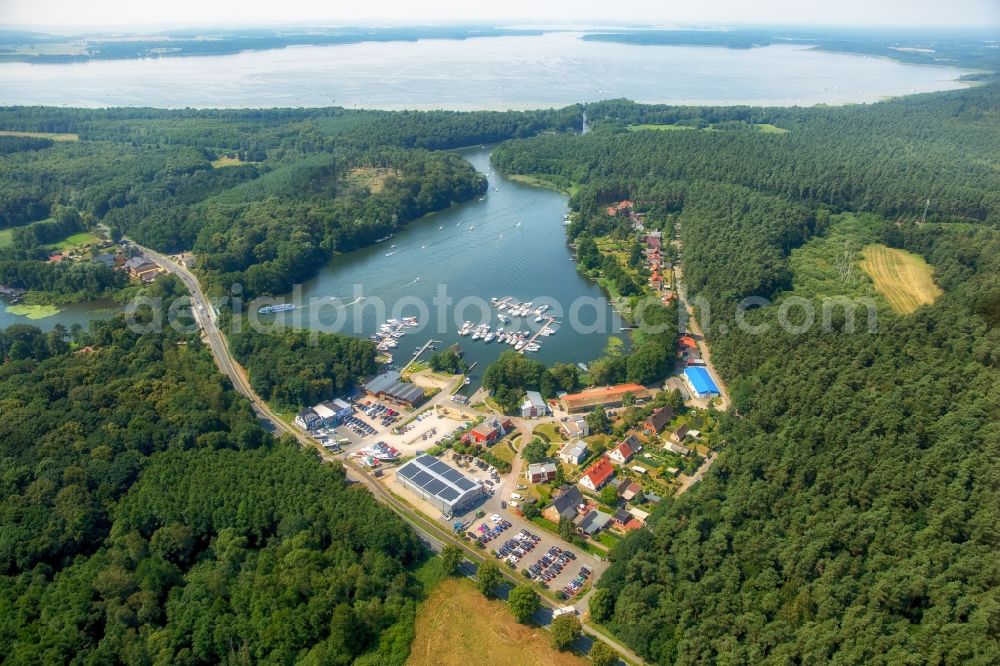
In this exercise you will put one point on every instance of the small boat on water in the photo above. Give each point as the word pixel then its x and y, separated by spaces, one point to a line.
pixel 538 319
pixel 467 381
pixel 503 318
pixel 489 337
pixel 278 307
pixel 440 228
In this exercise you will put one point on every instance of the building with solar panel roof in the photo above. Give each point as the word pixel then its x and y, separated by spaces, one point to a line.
pixel 443 486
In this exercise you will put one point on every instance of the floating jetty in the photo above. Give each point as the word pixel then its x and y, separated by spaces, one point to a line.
pixel 509 309
pixel 391 331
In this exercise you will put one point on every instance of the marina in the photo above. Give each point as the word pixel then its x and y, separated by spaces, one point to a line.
pixel 465 269
pixel 389 333
pixel 521 341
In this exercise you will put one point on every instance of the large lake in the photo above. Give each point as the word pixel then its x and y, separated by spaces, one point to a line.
pixel 555 69
pixel 512 243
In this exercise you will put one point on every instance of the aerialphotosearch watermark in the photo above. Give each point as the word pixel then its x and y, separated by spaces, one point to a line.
pixel 361 314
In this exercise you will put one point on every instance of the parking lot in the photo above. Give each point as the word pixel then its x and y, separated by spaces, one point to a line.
pixel 548 564
pixel 422 432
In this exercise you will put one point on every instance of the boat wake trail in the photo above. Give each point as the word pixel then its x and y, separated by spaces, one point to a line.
pixel 415 280
pixel 346 305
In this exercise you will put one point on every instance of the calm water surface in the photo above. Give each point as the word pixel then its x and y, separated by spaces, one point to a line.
pixel 511 243
pixel 555 69
pixel 78 313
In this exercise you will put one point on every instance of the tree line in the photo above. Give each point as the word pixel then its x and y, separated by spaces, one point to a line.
pixel 147 517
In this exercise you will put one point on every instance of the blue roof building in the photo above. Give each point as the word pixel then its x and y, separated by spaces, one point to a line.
pixel 701 382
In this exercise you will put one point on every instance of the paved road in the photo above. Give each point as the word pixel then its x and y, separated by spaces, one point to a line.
pixel 706 354
pixel 431 534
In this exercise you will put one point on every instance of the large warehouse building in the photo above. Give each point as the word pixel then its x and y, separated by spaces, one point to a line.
pixel 443 486
pixel 700 382
pixel 388 386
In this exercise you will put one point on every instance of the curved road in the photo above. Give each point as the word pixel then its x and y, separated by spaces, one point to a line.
pixel 432 534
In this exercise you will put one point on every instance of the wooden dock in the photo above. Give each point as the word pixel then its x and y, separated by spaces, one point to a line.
pixel 417 354
pixel 548 322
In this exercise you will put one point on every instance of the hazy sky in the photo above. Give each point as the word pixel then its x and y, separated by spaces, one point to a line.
pixel 97 13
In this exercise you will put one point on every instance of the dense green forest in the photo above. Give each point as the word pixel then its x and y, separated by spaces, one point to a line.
pixel 860 157
pixel 301 185
pixel 852 516
pixel 295 368
pixel 66 282
pixel 145 517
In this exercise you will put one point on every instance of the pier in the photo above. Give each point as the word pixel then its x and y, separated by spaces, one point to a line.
pixel 548 322
pixel 417 354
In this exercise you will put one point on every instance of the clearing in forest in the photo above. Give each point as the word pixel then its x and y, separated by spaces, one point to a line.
pixel 226 160
pixel 904 279
pixel 372 178
pixel 457 626
pixel 55 136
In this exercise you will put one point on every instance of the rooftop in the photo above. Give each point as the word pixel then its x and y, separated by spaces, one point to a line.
pixel 603 395
pixel 701 380
pixel 390 384
pixel 599 472
pixel 436 478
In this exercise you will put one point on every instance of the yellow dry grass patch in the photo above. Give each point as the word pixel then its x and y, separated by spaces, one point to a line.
pixel 457 626
pixel 55 136
pixel 372 178
pixel 225 161
pixel 904 279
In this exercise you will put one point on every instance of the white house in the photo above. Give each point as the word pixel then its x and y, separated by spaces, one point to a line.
pixel 533 405
pixel 575 427
pixel 307 419
pixel 573 453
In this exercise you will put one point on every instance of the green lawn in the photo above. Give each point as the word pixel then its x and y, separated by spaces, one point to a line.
pixel 503 451
pixel 768 128
pixel 548 431
pixel 75 241
pixel 658 128
pixel 55 136
pixel 6 237
pixel 550 181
